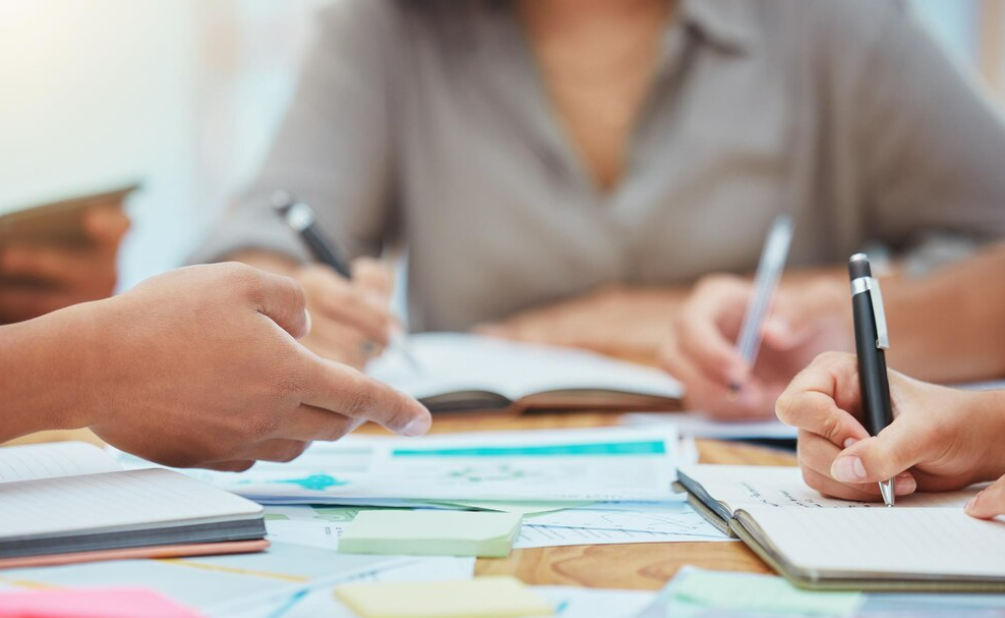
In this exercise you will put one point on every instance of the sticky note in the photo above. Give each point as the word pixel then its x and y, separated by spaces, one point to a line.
pixel 431 533
pixel 91 603
pixel 761 593
pixel 482 597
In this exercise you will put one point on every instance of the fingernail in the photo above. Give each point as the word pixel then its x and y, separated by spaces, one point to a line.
pixel 850 442
pixel 417 426
pixel 848 469
pixel 971 504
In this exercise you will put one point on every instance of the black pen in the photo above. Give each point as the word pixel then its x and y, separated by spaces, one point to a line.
pixel 871 342
pixel 303 220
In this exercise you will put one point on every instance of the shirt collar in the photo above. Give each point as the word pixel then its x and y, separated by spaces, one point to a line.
pixel 727 24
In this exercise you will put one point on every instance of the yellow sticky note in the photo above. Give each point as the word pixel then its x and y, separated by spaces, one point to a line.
pixel 431 533
pixel 482 597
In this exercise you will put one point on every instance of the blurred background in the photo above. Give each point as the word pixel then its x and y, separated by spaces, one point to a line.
pixel 184 96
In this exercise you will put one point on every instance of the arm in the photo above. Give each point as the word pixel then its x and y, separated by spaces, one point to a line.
pixel 196 367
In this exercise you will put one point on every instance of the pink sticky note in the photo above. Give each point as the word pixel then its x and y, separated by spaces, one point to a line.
pixel 92 603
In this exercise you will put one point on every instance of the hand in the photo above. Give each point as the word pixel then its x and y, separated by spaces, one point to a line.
pixel 201 367
pixel 941 438
pixel 351 319
pixel 38 279
pixel 807 318
pixel 990 502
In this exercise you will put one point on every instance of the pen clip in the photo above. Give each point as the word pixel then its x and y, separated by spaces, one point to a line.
pixel 878 313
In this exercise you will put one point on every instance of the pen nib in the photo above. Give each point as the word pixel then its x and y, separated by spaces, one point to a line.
pixel 886 488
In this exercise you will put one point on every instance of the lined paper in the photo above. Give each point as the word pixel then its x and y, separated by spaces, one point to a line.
pixel 116 500
pixel 756 487
pixel 40 461
pixel 887 540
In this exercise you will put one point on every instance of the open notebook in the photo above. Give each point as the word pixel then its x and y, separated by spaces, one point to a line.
pixel 70 501
pixel 925 542
pixel 461 372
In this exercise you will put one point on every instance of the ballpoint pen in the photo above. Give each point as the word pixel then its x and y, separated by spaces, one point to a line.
pixel 303 220
pixel 871 343
pixel 769 271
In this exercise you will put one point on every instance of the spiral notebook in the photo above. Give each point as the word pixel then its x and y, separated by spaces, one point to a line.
pixel 926 542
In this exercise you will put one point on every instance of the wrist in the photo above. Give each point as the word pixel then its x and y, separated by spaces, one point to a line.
pixel 986 418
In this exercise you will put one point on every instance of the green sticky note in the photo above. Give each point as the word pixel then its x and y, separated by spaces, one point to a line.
pixel 762 593
pixel 431 533
pixel 482 597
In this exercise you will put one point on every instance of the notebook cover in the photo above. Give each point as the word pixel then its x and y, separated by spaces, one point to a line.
pixel 158 551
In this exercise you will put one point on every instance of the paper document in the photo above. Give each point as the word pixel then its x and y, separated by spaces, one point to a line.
pixel 669 518
pixel 567 465
pixel 320 601
pixel 576 602
pixel 554 536
pixel 211 584
pixel 698 425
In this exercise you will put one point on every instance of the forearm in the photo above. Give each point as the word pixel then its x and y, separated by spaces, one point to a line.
pixel 950 327
pixel 43 367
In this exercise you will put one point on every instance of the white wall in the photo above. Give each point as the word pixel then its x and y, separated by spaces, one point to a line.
pixel 95 92
pixel 182 94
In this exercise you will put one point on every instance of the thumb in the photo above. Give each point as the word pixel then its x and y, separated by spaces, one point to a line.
pixel 879 458
pixel 989 503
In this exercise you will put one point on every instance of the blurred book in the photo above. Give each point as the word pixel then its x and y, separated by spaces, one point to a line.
pixel 58 222
pixel 459 372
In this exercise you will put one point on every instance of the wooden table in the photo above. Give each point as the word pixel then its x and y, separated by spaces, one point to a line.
pixel 645 566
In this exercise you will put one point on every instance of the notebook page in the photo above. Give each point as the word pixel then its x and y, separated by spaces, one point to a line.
pixel 39 461
pixel 749 487
pixel 117 501
pixel 887 540
pixel 453 362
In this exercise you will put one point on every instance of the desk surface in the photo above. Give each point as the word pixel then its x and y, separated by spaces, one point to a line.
pixel 640 566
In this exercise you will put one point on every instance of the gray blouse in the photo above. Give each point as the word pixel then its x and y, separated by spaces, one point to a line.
pixel 426 123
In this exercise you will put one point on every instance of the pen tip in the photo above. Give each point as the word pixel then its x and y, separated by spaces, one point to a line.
pixel 886 488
